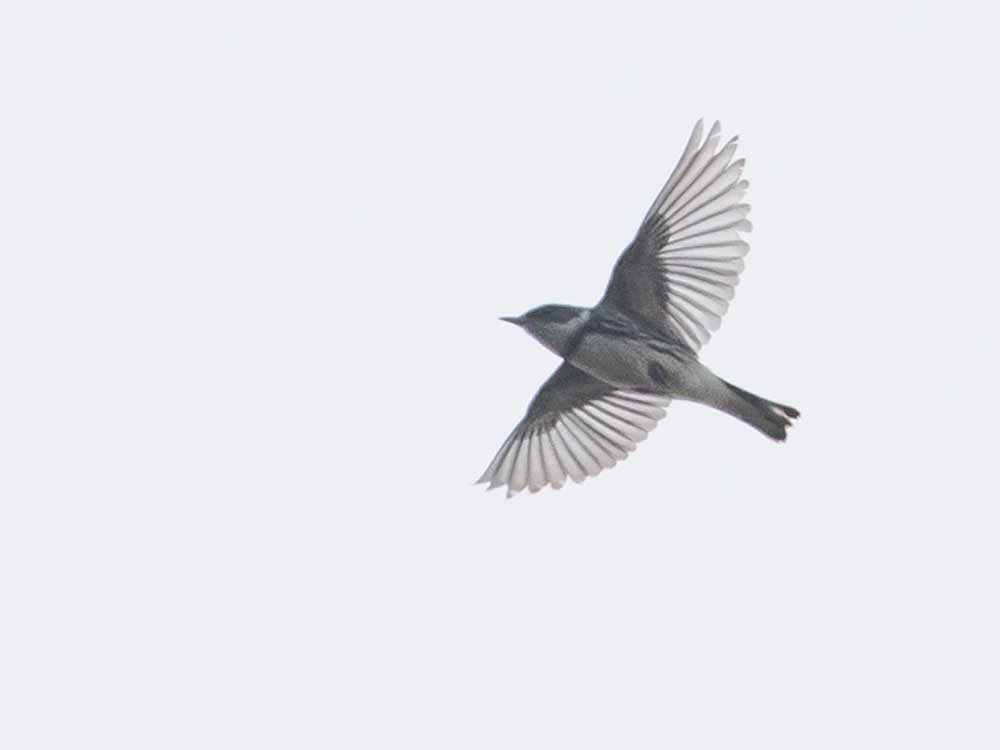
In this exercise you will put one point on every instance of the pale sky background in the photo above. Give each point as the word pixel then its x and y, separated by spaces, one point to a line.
pixel 251 261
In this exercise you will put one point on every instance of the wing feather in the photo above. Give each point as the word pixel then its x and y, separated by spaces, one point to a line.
pixel 576 427
pixel 680 272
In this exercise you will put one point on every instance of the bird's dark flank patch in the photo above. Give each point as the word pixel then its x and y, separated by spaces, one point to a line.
pixel 657 374
pixel 672 351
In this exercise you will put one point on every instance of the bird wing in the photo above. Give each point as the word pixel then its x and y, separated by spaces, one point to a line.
pixel 679 273
pixel 576 426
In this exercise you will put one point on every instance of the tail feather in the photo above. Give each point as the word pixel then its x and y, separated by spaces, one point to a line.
pixel 770 417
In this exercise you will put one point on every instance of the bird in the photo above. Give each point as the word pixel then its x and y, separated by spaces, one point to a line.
pixel 628 356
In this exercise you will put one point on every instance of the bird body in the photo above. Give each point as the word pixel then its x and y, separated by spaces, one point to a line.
pixel 629 355
pixel 622 352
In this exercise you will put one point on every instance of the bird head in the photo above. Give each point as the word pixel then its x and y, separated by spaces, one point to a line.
pixel 553 325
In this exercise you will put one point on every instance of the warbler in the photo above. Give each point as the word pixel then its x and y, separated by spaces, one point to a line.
pixel 625 358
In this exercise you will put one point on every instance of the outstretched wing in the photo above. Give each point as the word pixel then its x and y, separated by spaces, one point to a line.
pixel 575 427
pixel 679 273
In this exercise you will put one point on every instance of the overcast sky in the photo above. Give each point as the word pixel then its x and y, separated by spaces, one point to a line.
pixel 251 261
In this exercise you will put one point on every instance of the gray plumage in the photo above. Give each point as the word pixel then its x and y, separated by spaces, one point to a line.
pixel 625 358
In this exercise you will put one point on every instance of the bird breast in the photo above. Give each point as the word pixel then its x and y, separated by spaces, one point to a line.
pixel 629 363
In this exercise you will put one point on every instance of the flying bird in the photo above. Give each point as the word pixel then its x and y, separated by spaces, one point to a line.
pixel 625 358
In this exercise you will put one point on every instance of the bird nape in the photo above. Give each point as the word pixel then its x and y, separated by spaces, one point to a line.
pixel 625 358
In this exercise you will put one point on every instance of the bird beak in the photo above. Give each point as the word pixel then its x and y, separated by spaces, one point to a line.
pixel 515 321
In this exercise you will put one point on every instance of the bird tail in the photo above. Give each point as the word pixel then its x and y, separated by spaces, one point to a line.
pixel 769 417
